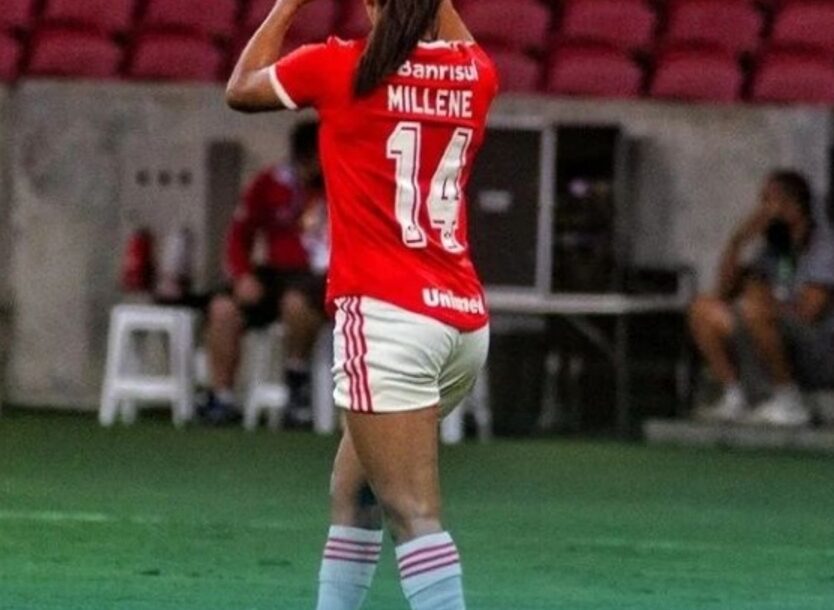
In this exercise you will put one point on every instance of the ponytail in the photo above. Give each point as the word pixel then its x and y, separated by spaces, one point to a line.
pixel 400 26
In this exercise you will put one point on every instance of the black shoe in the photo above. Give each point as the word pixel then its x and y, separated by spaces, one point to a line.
pixel 218 413
pixel 299 385
pixel 299 414
pixel 298 417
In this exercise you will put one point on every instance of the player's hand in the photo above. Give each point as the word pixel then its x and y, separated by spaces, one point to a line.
pixel 248 290
pixel 757 223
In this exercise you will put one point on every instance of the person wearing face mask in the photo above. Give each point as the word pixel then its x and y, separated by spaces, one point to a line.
pixel 769 330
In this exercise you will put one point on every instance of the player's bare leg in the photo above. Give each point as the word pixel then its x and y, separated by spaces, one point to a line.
pixel 302 323
pixel 355 538
pixel 223 337
pixel 712 323
pixel 225 328
pixel 352 502
pixel 398 452
pixel 760 314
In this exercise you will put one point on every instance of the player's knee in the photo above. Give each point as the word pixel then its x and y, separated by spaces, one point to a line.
pixel 755 311
pixel 294 306
pixel 707 311
pixel 410 517
pixel 223 311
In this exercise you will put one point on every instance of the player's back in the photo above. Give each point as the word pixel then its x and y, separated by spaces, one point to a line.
pixel 396 163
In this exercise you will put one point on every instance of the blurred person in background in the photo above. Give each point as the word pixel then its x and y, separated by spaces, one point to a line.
pixel 770 328
pixel 284 207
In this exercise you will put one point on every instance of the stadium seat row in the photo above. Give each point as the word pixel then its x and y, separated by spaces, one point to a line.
pixel 720 50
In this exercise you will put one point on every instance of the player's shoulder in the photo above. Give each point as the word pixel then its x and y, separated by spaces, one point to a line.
pixel 481 57
pixel 344 47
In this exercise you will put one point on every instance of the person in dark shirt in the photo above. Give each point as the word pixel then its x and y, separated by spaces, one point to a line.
pixel 769 330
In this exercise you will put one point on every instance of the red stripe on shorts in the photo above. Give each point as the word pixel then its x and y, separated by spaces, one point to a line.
pixel 349 351
pixel 363 364
pixel 360 402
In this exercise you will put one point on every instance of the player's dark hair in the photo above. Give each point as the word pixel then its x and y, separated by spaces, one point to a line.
pixel 795 186
pixel 400 26
pixel 304 141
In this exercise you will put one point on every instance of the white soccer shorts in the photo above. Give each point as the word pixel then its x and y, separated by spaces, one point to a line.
pixel 389 360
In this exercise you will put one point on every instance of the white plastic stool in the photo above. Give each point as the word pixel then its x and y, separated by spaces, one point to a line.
pixel 325 420
pixel 267 393
pixel 477 403
pixel 124 382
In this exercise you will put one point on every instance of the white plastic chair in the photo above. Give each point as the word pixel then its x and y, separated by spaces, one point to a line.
pixel 267 394
pixel 125 383
pixel 325 419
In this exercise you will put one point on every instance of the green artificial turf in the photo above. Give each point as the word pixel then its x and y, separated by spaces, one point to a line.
pixel 153 518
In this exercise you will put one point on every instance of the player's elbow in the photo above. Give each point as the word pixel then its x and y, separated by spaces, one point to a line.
pixel 237 99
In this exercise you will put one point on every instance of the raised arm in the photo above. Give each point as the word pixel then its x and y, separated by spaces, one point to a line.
pixel 450 25
pixel 249 88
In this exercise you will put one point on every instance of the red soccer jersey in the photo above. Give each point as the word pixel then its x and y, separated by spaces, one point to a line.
pixel 271 206
pixel 396 164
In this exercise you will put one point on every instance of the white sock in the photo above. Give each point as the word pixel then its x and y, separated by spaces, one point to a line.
pixel 348 566
pixel 734 392
pixel 430 573
pixel 787 391
pixel 225 395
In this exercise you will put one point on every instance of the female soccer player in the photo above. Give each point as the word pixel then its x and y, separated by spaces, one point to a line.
pixel 402 116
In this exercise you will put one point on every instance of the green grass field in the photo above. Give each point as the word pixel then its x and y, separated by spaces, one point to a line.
pixel 154 518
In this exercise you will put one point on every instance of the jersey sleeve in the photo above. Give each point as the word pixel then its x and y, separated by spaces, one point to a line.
pixel 493 80
pixel 303 78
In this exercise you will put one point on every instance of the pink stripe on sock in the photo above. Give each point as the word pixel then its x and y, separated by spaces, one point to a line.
pixel 363 365
pixel 350 350
pixel 335 557
pixel 456 560
pixel 418 563
pixel 376 545
pixel 439 548
pixel 340 548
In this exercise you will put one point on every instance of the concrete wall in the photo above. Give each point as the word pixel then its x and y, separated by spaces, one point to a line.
pixel 700 173
pixel 5 239
pixel 67 164
pixel 5 199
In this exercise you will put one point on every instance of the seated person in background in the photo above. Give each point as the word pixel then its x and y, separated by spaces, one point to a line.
pixel 284 208
pixel 770 329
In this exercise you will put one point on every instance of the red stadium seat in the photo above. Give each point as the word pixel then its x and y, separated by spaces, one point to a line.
pixel 698 74
pixel 625 24
pixel 594 71
pixel 353 22
pixel 519 25
pixel 9 58
pixel 790 76
pixel 314 22
pixel 192 16
pixel 808 24
pixel 161 56
pixel 517 71
pixel 734 25
pixel 17 14
pixel 73 53
pixel 107 16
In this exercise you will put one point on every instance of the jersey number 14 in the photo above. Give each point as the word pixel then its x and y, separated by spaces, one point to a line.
pixel 445 195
